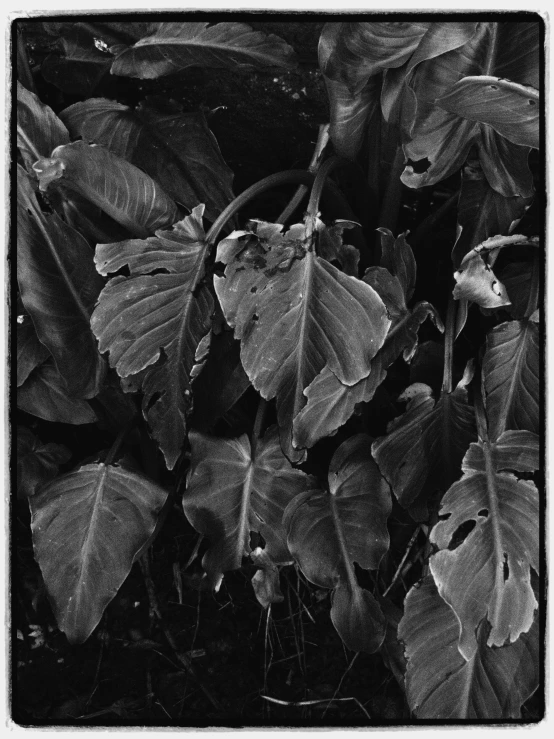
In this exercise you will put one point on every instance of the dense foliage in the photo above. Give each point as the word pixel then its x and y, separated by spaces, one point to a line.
pixel 339 385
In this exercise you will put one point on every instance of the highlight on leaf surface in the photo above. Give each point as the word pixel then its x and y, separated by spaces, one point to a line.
pixel 39 130
pixel 88 527
pixel 488 574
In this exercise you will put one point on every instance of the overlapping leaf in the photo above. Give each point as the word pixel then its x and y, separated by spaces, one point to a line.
pixel 441 684
pixel 232 491
pixel 488 574
pixel 78 66
pixel 172 46
pixel 424 447
pixel 120 189
pixel 58 286
pixel 36 462
pixel 39 130
pixel 156 320
pixel 329 531
pixel 177 149
pixel 296 314
pixel 88 527
pixel 522 280
pixel 30 353
pixel 511 376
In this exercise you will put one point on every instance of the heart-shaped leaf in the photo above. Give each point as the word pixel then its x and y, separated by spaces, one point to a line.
pixel 424 447
pixel 170 47
pixel 329 531
pixel 488 574
pixel 88 527
pixel 511 370
pixel 36 462
pixel 39 130
pixel 290 308
pixel 177 149
pixel 58 286
pixel 441 684
pixel 121 190
pixel 156 320
pixel 232 491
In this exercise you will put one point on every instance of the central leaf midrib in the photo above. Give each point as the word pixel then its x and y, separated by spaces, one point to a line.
pixel 514 378
pixel 494 517
pixel 243 527
pixel 337 523
pixel 304 319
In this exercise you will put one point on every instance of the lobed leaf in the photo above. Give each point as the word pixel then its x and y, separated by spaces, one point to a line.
pixel 36 462
pixel 88 527
pixel 440 684
pixel 488 574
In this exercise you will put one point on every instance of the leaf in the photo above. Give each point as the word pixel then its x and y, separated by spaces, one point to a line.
pixel 232 491
pixel 58 286
pixel 441 684
pixel 511 377
pixel 508 107
pixel 330 403
pixel 39 130
pixel 329 531
pixel 522 281
pixel 118 188
pixel 488 574
pixel 424 447
pixel 80 66
pixel 330 245
pixel 156 319
pixel 171 47
pixel 36 462
pixel 296 314
pixel 30 353
pixel 398 258
pixel 266 579
pixel 444 139
pixel 177 149
pixel 482 211
pixel 88 527
pixel 44 394
pixel 476 282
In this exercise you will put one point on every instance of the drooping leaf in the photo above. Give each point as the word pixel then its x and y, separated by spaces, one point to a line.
pixel 488 574
pixel 424 447
pixel 117 187
pixel 30 353
pixel 78 66
pixel 170 47
pixel 58 286
pixel 476 282
pixel 441 684
pixel 266 579
pixel 296 314
pixel 231 492
pixel 156 320
pixel 508 107
pixel 88 526
pixel 330 403
pixel 329 531
pixel 36 462
pixel 177 149
pixel 511 377
pixel 39 130
pixel 44 394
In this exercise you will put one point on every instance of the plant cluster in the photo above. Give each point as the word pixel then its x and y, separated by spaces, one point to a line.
pixel 148 307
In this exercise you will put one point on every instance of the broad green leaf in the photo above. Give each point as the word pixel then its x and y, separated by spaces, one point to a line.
pixel 30 353
pixel 177 149
pixel 441 684
pixel 330 530
pixel 511 377
pixel 508 107
pixel 36 462
pixel 232 491
pixel 44 394
pixel 171 47
pixel 156 320
pixel 117 187
pixel 424 447
pixel 58 286
pixel 39 130
pixel 508 50
pixel 482 211
pixel 296 314
pixel 88 527
pixel 78 66
pixel 522 281
pixel 488 574
pixel 330 403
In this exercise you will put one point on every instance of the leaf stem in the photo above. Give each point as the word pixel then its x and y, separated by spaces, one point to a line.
pixel 449 345
pixel 317 188
pixel 258 425
pixel 402 561
pixel 117 443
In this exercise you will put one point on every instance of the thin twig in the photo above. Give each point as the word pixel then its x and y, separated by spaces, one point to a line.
pixel 315 702
pixel 339 686
pixel 402 561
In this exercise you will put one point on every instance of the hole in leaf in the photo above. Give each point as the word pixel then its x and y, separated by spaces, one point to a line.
pixel 483 512
pixel 461 534
pixel 532 102
pixel 153 399
pixel 254 289
pixel 419 167
pixel 363 577
pixel 255 317
pixel 160 271
pixel 493 87
pixel 506 567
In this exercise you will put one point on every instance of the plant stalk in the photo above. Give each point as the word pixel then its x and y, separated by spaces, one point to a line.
pixel 449 345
